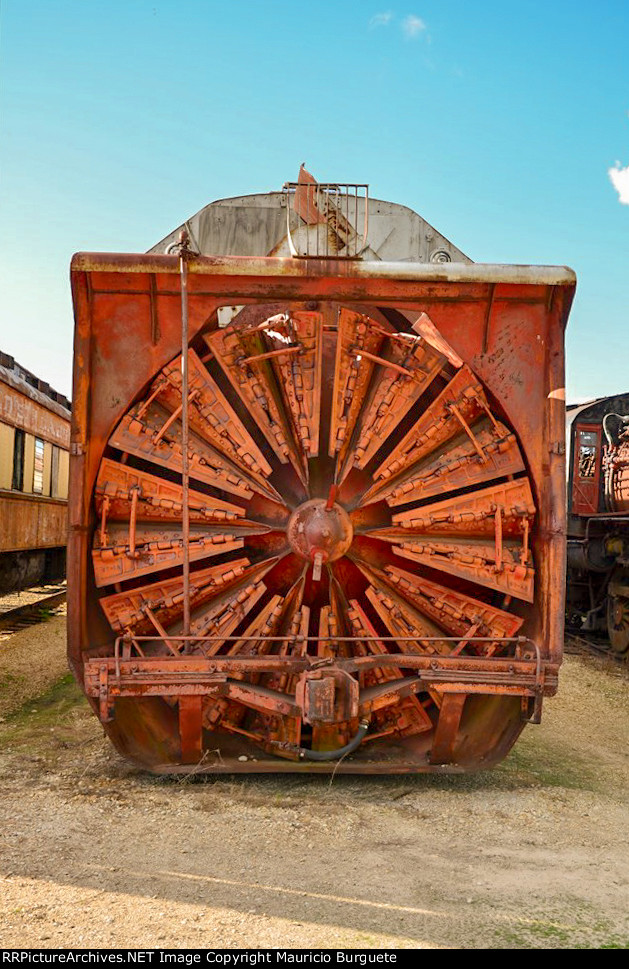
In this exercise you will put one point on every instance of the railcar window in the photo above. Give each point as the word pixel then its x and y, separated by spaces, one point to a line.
pixel 587 454
pixel 38 467
pixel 18 461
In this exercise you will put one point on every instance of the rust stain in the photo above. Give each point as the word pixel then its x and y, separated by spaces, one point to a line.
pixel 370 523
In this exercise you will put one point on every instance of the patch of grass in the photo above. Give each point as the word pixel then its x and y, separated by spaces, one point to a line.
pixel 9 680
pixel 44 613
pixel 585 931
pixel 55 710
pixel 555 767
pixel 551 937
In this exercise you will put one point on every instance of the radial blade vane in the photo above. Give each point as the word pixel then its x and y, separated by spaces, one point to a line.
pixel 457 613
pixel 456 408
pixel 493 453
pixel 475 560
pixel 453 610
pixel 299 374
pixel 154 547
pixel 328 628
pixel 358 341
pixel 337 619
pixel 288 624
pixel 210 415
pixel 482 536
pixel 221 615
pixel 472 514
pixel 403 716
pixel 294 623
pixel 164 599
pixel 291 604
pixel 140 524
pixel 141 433
pixel 299 631
pixel 124 492
pixel 255 641
pixel 408 365
pixel 402 620
pixel 244 358
pixel 230 713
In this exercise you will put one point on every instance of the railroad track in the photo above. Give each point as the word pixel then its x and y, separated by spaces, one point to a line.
pixel 581 645
pixel 18 610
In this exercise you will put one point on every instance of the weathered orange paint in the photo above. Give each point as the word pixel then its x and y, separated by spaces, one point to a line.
pixel 506 324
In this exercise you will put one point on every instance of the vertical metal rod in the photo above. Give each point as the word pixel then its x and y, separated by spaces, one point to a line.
pixel 185 470
pixel 153 299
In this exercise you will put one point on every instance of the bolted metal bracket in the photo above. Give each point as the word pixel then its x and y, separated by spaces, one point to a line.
pixel 327 696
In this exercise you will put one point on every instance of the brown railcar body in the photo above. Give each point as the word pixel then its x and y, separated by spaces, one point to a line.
pixel 343 547
pixel 34 445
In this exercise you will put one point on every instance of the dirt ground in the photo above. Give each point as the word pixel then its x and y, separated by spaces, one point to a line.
pixel 31 661
pixel 96 853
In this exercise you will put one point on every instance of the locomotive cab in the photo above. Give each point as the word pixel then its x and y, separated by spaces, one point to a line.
pixel 597 597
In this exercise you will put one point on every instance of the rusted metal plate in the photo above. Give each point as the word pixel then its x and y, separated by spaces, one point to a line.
pixel 129 610
pixel 483 536
pixel 299 374
pixel 275 367
pixel 309 412
pixel 156 499
pixel 476 561
pixel 221 451
pixel 457 613
pixel 155 548
pixel 457 442
pixel 403 364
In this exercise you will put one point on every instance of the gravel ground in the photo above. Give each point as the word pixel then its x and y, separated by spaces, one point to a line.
pixel 531 855
pixel 31 660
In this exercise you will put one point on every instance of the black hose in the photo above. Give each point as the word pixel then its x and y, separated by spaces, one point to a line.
pixel 355 742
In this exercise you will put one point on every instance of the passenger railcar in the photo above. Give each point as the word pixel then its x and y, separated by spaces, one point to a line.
pixel 34 462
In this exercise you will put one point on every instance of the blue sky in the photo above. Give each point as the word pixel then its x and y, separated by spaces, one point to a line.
pixel 498 122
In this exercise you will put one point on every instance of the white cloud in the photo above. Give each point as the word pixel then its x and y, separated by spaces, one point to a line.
pixel 620 180
pixel 381 19
pixel 413 26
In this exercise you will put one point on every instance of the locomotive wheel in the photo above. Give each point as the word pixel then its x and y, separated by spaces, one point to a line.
pixel 347 480
pixel 618 623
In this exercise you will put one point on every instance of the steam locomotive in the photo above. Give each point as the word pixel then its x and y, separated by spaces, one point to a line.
pixel 597 594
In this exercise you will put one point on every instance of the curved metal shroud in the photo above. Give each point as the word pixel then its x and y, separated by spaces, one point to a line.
pixel 478 310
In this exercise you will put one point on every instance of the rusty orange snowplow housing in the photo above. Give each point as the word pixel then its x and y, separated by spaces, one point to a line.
pixel 329 534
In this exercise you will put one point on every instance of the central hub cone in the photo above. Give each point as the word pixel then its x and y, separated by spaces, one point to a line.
pixel 313 529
